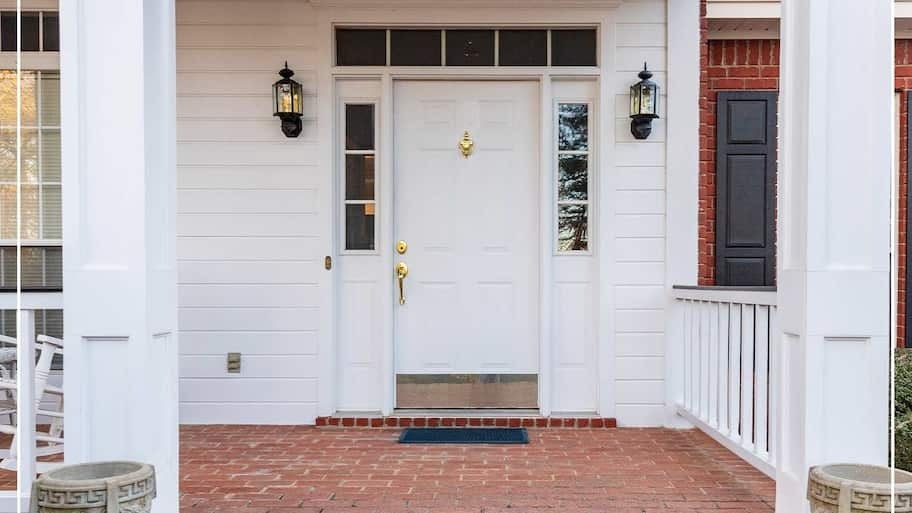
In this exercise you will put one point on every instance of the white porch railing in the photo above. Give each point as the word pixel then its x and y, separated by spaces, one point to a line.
pixel 26 452
pixel 729 376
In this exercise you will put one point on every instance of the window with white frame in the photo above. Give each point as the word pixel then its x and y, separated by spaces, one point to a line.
pixel 41 181
pixel 359 183
pixel 573 164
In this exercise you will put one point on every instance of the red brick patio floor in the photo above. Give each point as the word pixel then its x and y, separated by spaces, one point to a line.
pixel 268 469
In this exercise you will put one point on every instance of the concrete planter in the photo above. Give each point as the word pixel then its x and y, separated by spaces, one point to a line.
pixel 844 488
pixel 107 487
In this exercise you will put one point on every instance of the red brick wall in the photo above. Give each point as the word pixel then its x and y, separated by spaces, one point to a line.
pixel 903 56
pixel 726 66
pixel 754 65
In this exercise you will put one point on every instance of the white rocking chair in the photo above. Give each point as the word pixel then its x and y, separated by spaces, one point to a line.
pixel 52 439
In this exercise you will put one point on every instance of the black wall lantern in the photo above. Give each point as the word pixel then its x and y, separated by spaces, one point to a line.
pixel 644 104
pixel 287 95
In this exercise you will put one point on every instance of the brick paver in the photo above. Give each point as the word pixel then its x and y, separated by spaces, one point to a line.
pixel 269 469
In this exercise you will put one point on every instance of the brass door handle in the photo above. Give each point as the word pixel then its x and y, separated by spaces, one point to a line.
pixel 401 273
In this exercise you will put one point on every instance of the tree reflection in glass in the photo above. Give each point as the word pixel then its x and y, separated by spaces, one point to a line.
pixel 572 228
pixel 573 177
pixel 573 127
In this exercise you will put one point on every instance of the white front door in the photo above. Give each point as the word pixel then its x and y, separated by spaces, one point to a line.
pixel 470 316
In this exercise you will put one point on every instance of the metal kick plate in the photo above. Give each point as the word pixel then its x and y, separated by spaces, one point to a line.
pixel 467 391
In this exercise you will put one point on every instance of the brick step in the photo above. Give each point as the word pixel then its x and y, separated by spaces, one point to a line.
pixel 473 421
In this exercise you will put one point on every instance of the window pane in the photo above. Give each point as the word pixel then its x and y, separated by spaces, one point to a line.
pixel 29 101
pixel 572 228
pixel 523 48
pixel 359 177
pixel 8 31
pixel 360 47
pixel 573 47
pixel 51 32
pixel 573 177
pixel 50 99
pixel 42 268
pixel 32 268
pixel 51 216
pixel 359 127
pixel 415 48
pixel 573 127
pixel 8 267
pixel 53 268
pixel 359 226
pixel 50 155
pixel 29 157
pixel 469 47
pixel 7 211
pixel 7 155
pixel 31 216
pixel 30 32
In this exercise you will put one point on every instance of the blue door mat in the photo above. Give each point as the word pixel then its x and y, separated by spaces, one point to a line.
pixel 464 436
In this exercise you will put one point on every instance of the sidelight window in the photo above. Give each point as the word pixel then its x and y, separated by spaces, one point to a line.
pixel 360 184
pixel 573 184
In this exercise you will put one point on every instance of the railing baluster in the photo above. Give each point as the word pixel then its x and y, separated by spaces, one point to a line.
pixel 724 366
pixel 747 375
pixel 773 385
pixel 688 349
pixel 713 370
pixel 762 380
pixel 694 357
pixel 734 379
pixel 704 360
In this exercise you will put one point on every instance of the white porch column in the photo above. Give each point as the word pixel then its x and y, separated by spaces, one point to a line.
pixel 835 160
pixel 681 185
pixel 120 303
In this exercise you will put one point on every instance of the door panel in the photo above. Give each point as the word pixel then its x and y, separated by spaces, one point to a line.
pixel 745 188
pixel 471 224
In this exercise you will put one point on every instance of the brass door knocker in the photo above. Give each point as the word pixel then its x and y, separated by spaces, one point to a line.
pixel 466 144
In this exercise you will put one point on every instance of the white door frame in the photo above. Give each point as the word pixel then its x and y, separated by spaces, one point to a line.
pixel 386 76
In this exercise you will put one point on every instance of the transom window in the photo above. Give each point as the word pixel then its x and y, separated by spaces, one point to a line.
pixel 573 162
pixel 40 31
pixel 466 47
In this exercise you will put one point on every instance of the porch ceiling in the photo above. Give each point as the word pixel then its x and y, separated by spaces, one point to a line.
pixel 271 468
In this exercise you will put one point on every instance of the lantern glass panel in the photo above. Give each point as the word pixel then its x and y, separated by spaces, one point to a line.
pixel 634 100
pixel 647 99
pixel 298 98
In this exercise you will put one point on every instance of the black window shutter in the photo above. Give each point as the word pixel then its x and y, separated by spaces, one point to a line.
pixel 746 188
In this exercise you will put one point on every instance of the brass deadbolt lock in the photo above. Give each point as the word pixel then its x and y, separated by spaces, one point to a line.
pixel 401 247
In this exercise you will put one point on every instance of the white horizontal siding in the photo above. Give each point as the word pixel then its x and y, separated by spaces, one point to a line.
pixel 250 216
pixel 639 215
pixel 249 245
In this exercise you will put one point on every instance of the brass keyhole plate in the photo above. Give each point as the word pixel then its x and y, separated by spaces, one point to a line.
pixel 401 247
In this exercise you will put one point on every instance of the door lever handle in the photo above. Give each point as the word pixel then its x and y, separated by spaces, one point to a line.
pixel 401 273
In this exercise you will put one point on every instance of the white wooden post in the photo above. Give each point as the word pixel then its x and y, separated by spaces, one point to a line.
pixel 834 238
pixel 681 186
pixel 25 399
pixel 117 65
